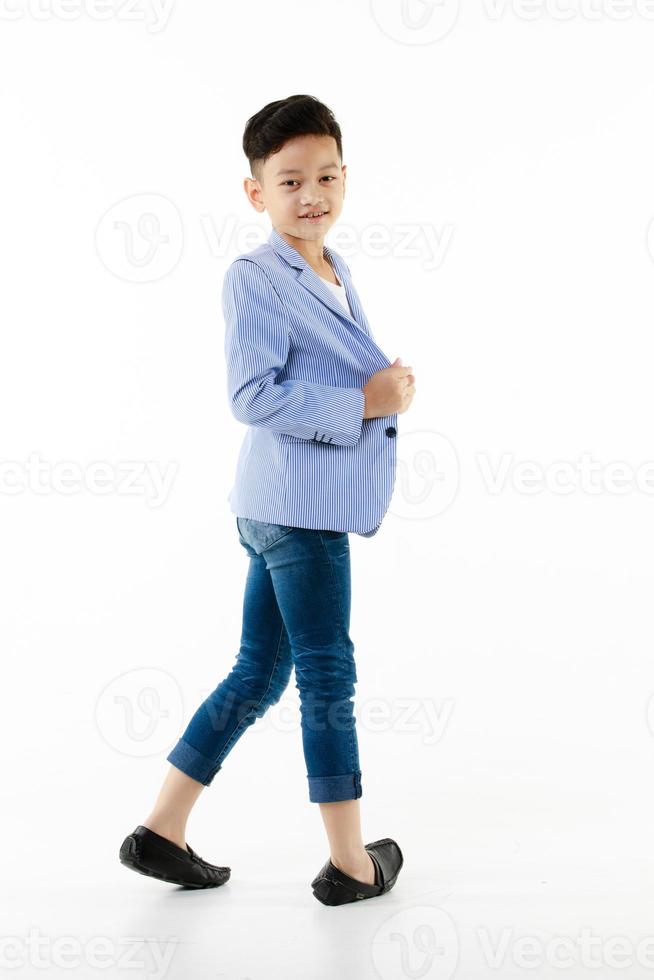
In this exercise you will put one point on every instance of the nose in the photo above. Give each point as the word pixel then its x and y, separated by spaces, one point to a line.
pixel 311 193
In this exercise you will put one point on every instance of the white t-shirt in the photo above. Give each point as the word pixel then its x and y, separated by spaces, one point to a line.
pixel 339 293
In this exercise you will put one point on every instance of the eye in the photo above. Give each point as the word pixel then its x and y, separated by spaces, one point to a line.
pixel 292 180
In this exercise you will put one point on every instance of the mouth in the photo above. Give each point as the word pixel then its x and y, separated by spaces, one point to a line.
pixel 313 217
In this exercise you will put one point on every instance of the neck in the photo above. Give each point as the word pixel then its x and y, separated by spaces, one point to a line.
pixel 312 251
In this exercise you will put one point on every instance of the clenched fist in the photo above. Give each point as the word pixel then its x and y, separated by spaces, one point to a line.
pixel 388 391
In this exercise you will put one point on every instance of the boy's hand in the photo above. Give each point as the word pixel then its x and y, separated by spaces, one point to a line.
pixel 388 391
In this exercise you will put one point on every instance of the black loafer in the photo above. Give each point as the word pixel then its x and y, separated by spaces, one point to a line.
pixel 151 854
pixel 331 886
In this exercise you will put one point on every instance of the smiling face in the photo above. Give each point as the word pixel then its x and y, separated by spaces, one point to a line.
pixel 304 177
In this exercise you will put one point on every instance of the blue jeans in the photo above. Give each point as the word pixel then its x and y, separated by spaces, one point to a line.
pixel 296 613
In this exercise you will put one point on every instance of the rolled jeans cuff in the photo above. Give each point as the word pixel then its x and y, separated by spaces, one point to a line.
pixel 332 789
pixel 196 765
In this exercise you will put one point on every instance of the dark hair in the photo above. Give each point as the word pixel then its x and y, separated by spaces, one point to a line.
pixel 298 115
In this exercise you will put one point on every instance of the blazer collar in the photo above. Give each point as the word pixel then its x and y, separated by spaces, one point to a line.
pixel 310 279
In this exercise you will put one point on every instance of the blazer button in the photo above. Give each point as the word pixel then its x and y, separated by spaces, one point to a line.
pixel 391 430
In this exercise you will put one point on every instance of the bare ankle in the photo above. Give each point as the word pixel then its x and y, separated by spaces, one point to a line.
pixel 362 869
pixel 350 858
pixel 169 829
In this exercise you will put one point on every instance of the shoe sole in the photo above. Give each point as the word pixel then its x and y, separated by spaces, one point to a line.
pixel 128 859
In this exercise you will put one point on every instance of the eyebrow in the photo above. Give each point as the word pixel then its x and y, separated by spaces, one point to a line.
pixel 327 166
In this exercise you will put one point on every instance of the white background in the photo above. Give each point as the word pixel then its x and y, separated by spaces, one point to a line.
pixel 520 619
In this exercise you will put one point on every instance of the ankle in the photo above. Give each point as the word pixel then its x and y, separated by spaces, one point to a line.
pixel 360 871
pixel 171 829
pixel 350 858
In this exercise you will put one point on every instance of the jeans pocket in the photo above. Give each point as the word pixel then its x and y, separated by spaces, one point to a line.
pixel 261 534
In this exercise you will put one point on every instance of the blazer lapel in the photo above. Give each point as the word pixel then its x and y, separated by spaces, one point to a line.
pixel 310 279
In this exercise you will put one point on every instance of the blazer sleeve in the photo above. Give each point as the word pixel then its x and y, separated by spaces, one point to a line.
pixel 256 349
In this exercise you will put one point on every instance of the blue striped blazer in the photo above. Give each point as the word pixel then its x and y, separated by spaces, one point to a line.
pixel 296 366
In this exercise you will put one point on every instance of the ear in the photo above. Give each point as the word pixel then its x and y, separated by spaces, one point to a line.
pixel 252 190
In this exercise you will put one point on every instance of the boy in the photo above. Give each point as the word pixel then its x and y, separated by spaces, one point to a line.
pixel 318 461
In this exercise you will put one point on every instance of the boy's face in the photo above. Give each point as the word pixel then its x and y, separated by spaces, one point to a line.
pixel 303 177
